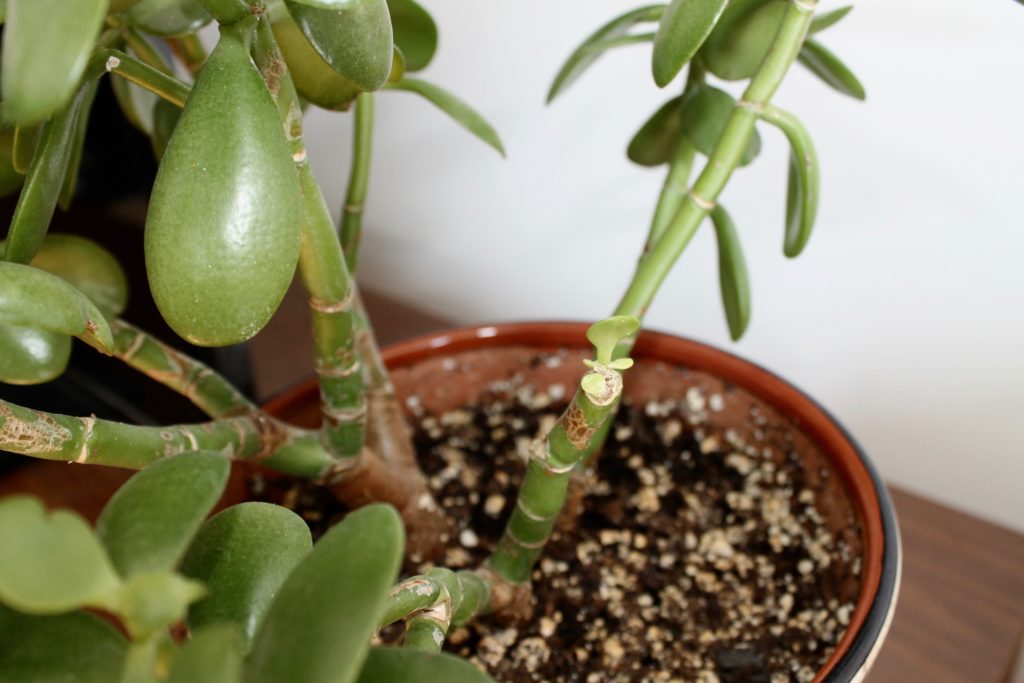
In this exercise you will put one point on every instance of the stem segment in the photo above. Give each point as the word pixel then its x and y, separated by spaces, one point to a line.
pixel 145 76
pixel 358 181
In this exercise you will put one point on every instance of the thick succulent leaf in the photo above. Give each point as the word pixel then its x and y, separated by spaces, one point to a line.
pixel 168 17
pixel 825 20
pixel 706 112
pixel 29 356
pixel 76 647
pixel 732 273
pixel 740 41
pixel 10 178
pixel 683 29
pixel 655 142
pixel 319 625
pixel 89 267
pixel 462 113
pixel 829 68
pixel 51 562
pixel 593 47
pixel 46 47
pixel 415 33
pixel 213 655
pixel 605 334
pixel 148 524
pixel 67 192
pixel 243 555
pixel 804 181
pixel 353 36
pixel 30 297
pixel 165 118
pixel 399 665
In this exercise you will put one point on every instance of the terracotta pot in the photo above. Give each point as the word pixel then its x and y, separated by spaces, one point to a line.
pixel 857 488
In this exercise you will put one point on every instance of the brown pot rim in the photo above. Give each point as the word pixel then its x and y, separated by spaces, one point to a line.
pixel 881 562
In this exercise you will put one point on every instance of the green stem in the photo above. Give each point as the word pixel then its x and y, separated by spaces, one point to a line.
pixel 543 491
pixel 359 179
pixel 145 51
pixel 227 12
pixel 208 390
pixel 145 76
pixel 432 604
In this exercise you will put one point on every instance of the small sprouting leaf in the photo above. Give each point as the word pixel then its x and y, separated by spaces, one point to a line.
pixel 605 334
pixel 593 383
pixel 741 39
pixel 397 66
pixel 732 273
pixel 10 178
pixel 51 562
pixel 319 625
pixel 67 192
pixel 621 364
pixel 415 33
pixel 29 356
pixel 30 297
pixel 45 50
pixel 243 555
pixel 89 267
pixel 595 44
pixel 822 21
pixel 804 181
pixel 148 524
pixel 151 602
pixel 353 36
pixel 684 27
pixel 26 138
pixel 400 665
pixel 75 647
pixel 461 113
pixel 829 68
pixel 655 142
pixel 165 118
pixel 168 17
pixel 705 113
pixel 212 655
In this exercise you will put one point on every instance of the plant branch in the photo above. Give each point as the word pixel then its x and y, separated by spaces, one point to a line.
pixel 430 605
pixel 145 76
pixel 358 181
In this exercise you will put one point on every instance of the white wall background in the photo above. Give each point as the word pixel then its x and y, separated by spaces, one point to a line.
pixel 905 316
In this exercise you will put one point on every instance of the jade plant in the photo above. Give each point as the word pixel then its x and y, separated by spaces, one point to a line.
pixel 158 592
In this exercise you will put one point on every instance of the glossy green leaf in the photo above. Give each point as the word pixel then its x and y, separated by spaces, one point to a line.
pixel 45 49
pixel 30 297
pixel 655 142
pixel 353 36
pixel 459 111
pixel 829 68
pixel 51 562
pixel 804 181
pixel 683 29
pixel 75 647
pixel 213 655
pixel 735 49
pixel 243 555
pixel 705 113
pixel 29 356
pixel 26 138
pixel 10 178
pixel 43 183
pixel 732 273
pixel 605 334
pixel 415 33
pixel 165 118
pixel 400 665
pixel 222 233
pixel 319 625
pixel 67 192
pixel 591 48
pixel 149 523
pixel 168 17
pixel 822 21
pixel 89 267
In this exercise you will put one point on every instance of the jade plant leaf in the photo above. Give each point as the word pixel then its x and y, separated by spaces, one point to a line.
pixel 596 43
pixel 10 178
pixel 75 647
pixel 732 273
pixel 319 624
pixel 223 232
pixel 415 33
pixel 212 655
pixel 243 555
pixel 46 47
pixel 605 334
pixel 459 111
pixel 655 142
pixel 825 20
pixel 705 113
pixel 353 36
pixel 30 297
pixel 67 191
pixel 804 181
pixel 740 40
pixel 168 17
pixel 30 356
pixel 89 267
pixel 152 602
pixel 148 524
pixel 51 562
pixel 684 27
pixel 829 68
pixel 399 665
